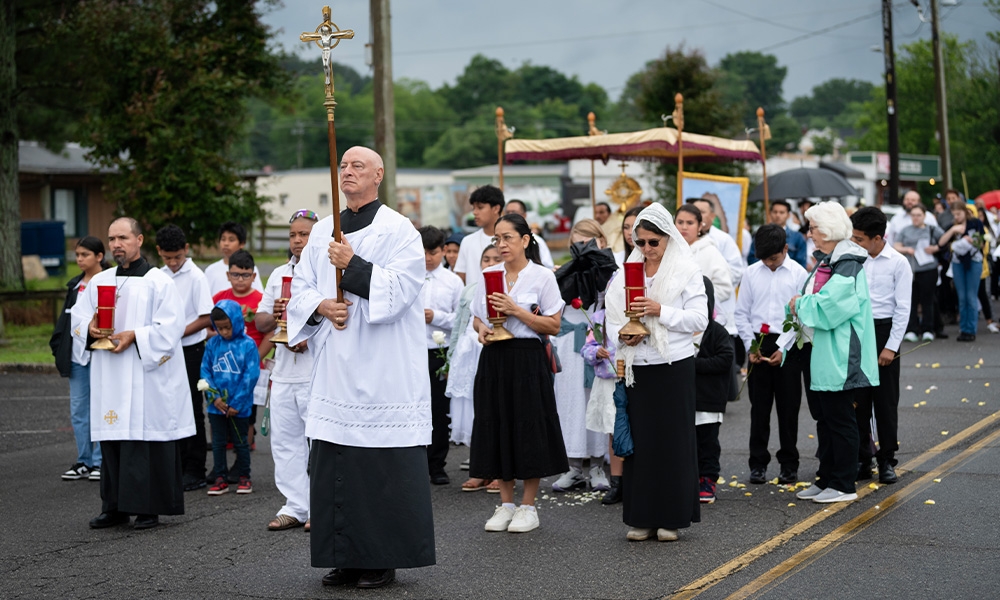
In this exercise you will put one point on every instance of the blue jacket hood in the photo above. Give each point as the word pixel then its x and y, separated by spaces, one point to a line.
pixel 235 313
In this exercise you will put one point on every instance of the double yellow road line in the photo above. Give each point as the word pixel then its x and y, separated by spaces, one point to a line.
pixel 820 547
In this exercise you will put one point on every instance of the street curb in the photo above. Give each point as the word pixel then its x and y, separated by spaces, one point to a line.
pixel 37 368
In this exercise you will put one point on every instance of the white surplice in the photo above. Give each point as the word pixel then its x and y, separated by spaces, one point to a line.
pixel 370 386
pixel 141 394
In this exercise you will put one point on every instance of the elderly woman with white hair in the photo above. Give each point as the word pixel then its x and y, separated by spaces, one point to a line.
pixel 836 307
pixel 660 480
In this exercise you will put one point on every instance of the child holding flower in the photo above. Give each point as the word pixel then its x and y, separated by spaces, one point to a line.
pixel 229 372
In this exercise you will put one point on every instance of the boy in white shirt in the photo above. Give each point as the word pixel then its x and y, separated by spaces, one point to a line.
pixel 192 285
pixel 487 206
pixel 766 288
pixel 890 287
pixel 290 379
pixel 440 295
pixel 232 237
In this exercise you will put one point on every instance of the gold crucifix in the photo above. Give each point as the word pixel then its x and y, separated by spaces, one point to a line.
pixel 327 36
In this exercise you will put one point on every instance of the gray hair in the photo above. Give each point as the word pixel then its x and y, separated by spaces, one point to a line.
pixel 830 219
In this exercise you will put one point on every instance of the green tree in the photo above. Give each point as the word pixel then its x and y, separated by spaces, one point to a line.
pixel 421 117
pixel 834 103
pixel 485 82
pixel 759 80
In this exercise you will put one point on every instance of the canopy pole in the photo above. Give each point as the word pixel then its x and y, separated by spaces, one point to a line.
pixel 592 130
pixel 765 134
pixel 504 133
pixel 679 123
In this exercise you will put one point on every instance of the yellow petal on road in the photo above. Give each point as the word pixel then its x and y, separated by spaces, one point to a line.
pixel 928 502
pixel 791 504
pixel 937 481
pixel 775 481
pixel 965 399
pixel 735 477
pixel 944 433
pixel 740 486
pixel 748 494
pixel 935 365
pixel 967 367
pixel 987 384
pixel 923 403
pixel 811 436
pixel 977 366
pixel 917 405
pixel 721 480
pixel 927 391
pixel 982 404
pixel 980 361
pixel 873 486
pixel 733 484
pixel 917 365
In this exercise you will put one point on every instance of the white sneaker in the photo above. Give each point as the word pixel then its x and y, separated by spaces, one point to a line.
pixel 638 534
pixel 993 327
pixel 810 492
pixel 95 474
pixel 910 337
pixel 830 495
pixel 928 336
pixel 570 479
pixel 666 535
pixel 524 520
pixel 598 480
pixel 76 472
pixel 501 519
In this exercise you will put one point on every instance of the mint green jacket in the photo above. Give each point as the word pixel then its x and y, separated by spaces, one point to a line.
pixel 844 355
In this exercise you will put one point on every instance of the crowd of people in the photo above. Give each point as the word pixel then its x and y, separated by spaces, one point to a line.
pixel 577 373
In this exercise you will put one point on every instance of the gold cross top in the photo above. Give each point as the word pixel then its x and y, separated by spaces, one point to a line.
pixel 327 36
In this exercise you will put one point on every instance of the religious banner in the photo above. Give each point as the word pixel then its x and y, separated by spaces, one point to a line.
pixel 732 194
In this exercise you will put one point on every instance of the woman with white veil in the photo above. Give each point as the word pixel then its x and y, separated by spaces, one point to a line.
pixel 660 482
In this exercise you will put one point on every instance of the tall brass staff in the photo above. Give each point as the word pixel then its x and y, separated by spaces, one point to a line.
pixel 679 123
pixel 765 134
pixel 327 36
pixel 593 130
pixel 504 133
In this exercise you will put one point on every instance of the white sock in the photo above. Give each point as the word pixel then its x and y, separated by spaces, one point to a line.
pixel 509 505
pixel 528 507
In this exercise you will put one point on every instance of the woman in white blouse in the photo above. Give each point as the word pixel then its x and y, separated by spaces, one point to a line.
pixel 710 260
pixel 660 482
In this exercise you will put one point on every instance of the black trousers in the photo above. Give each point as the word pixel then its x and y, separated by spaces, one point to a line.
pixel 193 448
pixel 437 452
pixel 947 296
pixel 780 387
pixel 884 401
pixel 739 356
pixel 141 478
pixel 709 450
pixel 984 300
pixel 994 277
pixel 924 289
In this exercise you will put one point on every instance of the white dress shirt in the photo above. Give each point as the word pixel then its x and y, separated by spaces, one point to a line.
pixel 890 287
pixel 763 296
pixel 192 285
pixel 441 292
pixel 535 285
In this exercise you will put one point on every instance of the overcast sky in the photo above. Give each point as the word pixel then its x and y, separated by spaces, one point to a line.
pixel 606 41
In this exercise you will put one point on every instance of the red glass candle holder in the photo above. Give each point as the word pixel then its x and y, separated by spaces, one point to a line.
pixel 105 316
pixel 281 335
pixel 635 287
pixel 494 285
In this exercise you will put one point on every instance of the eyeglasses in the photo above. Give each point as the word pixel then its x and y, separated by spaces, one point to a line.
pixel 507 239
pixel 304 214
pixel 240 275
pixel 652 243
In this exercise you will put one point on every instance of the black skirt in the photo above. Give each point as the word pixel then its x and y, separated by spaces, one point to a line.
pixel 515 431
pixel 371 507
pixel 141 478
pixel 660 480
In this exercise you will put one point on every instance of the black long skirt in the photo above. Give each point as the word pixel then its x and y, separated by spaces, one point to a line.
pixel 660 480
pixel 141 478
pixel 371 507
pixel 515 431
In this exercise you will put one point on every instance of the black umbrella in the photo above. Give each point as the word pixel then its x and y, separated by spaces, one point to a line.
pixel 587 274
pixel 803 183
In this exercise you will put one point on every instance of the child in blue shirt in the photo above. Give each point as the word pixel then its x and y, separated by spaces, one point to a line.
pixel 229 370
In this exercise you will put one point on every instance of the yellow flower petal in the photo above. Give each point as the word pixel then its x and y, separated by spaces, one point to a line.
pixel 811 436
pixel 980 361
pixel 944 433
pixel 977 366
pixel 965 399
pixel 740 486
pixel 748 494
pixel 927 391
pixel 917 405
pixel 967 367
pixel 987 384
pixel 928 502
pixel 733 484
pixel 923 403
pixel 937 481
pixel 791 504
pixel 917 365
pixel 982 404
pixel 775 481
pixel 721 480
pixel 735 477
pixel 935 365
pixel 873 486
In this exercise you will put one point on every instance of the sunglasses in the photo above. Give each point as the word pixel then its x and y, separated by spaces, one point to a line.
pixel 304 214
pixel 652 243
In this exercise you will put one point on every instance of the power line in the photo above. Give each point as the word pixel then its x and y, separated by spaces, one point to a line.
pixel 810 34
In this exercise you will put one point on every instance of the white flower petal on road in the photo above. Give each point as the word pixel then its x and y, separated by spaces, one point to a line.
pixel 944 433
pixel 965 399
pixel 909 387
pixel 982 404
pixel 980 361
pixel 917 365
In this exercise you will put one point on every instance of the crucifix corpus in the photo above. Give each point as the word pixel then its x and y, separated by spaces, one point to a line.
pixel 327 36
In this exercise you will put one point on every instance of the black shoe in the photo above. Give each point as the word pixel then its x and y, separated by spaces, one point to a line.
pixel 146 521
pixel 108 519
pixel 342 577
pixel 614 495
pixel 192 482
pixel 940 335
pixel 788 476
pixel 965 337
pixel 758 475
pixel 864 471
pixel 886 474
pixel 440 479
pixel 376 579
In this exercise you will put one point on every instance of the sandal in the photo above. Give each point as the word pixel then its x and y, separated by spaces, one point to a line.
pixel 306 528
pixel 282 522
pixel 475 484
pixel 493 487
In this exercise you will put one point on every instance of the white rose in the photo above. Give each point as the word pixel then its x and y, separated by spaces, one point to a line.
pixel 439 338
pixel 203 385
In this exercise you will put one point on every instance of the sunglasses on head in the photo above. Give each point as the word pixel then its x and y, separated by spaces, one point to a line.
pixel 304 214
pixel 652 243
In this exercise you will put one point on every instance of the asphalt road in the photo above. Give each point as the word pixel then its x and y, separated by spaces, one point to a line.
pixel 757 541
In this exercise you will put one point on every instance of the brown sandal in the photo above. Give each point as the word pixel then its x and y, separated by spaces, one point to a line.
pixel 307 527
pixel 475 484
pixel 282 522
pixel 493 487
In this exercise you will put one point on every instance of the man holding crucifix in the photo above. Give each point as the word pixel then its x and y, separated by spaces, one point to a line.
pixel 369 406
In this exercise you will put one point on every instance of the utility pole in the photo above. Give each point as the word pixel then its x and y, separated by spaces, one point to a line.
pixel 889 54
pixel 941 95
pixel 385 118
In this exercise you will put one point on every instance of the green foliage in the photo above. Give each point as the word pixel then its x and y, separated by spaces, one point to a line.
pixel 754 80
pixel 834 103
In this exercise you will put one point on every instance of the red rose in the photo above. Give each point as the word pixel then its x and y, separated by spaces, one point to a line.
pixel 576 303
pixel 765 328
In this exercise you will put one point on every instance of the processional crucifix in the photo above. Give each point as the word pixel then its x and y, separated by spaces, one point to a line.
pixel 327 36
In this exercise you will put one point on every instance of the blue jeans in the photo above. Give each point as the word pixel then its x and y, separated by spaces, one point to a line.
pixel 967 286
pixel 222 427
pixel 87 452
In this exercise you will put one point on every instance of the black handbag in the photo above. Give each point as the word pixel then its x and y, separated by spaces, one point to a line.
pixel 551 355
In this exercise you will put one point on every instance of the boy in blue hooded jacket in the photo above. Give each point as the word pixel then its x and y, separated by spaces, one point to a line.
pixel 230 369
